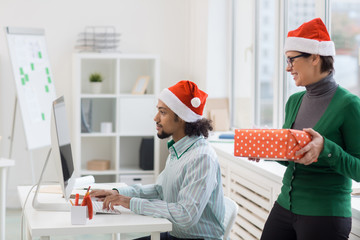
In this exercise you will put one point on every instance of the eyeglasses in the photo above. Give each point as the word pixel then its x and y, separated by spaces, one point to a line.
pixel 290 60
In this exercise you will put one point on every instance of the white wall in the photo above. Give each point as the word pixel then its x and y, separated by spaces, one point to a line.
pixel 147 26
pixel 218 48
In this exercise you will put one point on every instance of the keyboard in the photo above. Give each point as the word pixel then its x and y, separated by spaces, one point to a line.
pixel 98 208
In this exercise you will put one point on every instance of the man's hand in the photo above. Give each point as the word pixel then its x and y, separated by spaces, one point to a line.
pixel 312 150
pixel 116 200
pixel 102 194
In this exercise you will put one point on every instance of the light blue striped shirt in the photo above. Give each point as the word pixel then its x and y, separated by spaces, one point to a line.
pixel 188 192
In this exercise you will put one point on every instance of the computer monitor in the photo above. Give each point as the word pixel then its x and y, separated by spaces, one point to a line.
pixel 62 157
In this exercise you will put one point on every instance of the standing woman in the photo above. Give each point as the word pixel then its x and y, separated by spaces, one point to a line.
pixel 315 199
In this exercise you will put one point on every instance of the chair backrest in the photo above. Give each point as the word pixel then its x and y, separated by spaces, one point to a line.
pixel 231 209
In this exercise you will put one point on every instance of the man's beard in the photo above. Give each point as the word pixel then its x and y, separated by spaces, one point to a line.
pixel 163 135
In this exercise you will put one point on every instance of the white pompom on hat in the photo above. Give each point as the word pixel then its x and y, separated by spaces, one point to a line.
pixel 185 99
pixel 311 37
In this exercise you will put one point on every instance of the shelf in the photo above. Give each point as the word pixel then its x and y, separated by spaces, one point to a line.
pixel 125 171
pixel 105 172
pixel 115 124
pixel 99 134
pixel 133 134
pixel 116 56
pixel 146 96
pixel 135 171
pixel 123 95
pixel 97 111
pixel 92 95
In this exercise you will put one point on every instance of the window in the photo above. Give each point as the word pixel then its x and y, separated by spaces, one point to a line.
pixel 261 86
pixel 298 12
pixel 242 70
pixel 345 32
pixel 265 63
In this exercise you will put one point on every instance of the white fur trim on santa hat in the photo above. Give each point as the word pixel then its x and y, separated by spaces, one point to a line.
pixel 323 48
pixel 178 107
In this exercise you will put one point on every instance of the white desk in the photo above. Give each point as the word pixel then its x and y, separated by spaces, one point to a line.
pixel 4 164
pixel 44 224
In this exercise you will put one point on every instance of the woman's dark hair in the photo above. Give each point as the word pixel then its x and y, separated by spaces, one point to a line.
pixel 200 127
pixel 327 62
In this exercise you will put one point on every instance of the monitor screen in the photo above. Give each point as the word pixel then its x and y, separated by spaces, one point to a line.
pixel 63 139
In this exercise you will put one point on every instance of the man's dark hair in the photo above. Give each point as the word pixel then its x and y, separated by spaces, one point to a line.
pixel 327 62
pixel 200 127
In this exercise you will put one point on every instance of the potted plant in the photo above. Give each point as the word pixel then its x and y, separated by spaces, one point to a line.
pixel 96 82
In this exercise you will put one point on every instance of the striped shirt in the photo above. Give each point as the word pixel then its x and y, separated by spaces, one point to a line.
pixel 188 191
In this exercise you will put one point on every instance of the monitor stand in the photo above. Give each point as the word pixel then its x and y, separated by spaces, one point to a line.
pixel 55 204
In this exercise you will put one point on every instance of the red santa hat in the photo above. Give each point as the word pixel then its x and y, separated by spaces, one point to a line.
pixel 185 99
pixel 311 37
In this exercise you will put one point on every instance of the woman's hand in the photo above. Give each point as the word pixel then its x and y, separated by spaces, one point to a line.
pixel 312 150
pixel 254 159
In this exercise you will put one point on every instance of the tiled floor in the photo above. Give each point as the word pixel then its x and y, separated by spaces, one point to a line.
pixel 13 229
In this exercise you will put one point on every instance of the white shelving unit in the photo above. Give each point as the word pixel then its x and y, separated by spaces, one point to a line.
pixel 131 115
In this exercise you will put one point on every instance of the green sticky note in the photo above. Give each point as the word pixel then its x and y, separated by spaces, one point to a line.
pixel 21 71
pixel 39 54
pixel 43 116
pixel 47 71
pixel 46 88
pixel 23 81
pixel 32 66
pixel 26 77
pixel 49 79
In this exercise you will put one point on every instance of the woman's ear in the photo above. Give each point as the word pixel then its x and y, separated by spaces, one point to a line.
pixel 315 59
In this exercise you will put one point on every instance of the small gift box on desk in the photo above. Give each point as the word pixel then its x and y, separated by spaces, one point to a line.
pixel 277 144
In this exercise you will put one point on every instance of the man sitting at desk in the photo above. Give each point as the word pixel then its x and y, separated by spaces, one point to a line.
pixel 188 192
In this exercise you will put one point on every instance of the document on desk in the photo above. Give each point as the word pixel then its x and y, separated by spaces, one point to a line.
pixel 50 189
pixel 104 186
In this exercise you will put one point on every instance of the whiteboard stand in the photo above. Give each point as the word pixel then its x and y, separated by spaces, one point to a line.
pixel 11 137
pixel 34 86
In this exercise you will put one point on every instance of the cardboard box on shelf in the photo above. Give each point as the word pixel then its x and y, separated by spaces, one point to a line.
pixel 98 165
pixel 217 110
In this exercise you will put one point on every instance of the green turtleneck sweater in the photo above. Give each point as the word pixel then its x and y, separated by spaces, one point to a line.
pixel 323 188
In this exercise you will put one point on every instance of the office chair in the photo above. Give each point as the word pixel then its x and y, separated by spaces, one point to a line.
pixel 231 209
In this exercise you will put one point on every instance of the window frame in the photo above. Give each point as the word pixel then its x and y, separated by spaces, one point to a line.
pixel 280 93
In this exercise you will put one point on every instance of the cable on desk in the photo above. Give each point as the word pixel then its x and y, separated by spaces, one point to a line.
pixel 23 208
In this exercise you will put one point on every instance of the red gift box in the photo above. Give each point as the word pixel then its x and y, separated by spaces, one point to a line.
pixel 276 144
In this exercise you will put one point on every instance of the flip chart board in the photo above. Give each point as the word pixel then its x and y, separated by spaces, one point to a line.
pixel 34 83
